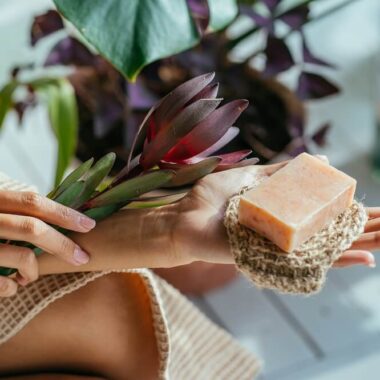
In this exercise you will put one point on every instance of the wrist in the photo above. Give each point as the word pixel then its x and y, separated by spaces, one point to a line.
pixel 158 237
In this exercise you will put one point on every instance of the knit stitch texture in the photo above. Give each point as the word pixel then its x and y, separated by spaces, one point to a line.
pixel 302 271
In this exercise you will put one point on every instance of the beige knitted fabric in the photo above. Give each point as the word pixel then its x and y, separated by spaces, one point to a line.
pixel 190 346
pixel 302 271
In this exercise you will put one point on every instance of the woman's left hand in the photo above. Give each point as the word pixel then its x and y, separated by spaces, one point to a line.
pixel 199 233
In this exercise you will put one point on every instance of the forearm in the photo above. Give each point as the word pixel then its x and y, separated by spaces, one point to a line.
pixel 129 239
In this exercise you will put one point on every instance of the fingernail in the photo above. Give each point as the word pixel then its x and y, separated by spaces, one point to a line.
pixel 86 222
pixel 372 265
pixel 80 257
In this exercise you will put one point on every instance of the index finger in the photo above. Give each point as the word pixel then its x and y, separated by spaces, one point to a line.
pixel 33 204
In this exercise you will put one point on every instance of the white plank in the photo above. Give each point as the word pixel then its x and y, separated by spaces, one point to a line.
pixel 361 362
pixel 257 324
pixel 332 317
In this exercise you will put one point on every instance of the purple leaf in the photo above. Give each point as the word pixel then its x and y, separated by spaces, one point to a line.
pixel 297 148
pixel 175 100
pixel 233 157
pixel 189 173
pixel 296 125
pixel 319 137
pixel 208 131
pixel 262 21
pixel 45 24
pixel 279 58
pixel 231 133
pixel 309 57
pixel 179 127
pixel 209 92
pixel 200 12
pixel 139 97
pixel 240 164
pixel 296 17
pixel 108 111
pixel 313 86
pixel 271 4
pixel 70 51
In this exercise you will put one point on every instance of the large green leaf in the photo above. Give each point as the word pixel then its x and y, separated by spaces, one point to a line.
pixel 63 115
pixel 6 100
pixel 133 33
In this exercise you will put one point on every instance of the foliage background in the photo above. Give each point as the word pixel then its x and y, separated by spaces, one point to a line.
pixel 339 39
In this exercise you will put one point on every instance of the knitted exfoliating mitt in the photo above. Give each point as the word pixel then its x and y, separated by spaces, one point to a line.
pixel 302 271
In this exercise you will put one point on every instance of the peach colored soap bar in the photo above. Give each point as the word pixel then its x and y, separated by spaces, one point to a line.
pixel 297 201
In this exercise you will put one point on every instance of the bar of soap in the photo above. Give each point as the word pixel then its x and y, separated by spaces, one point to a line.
pixel 297 201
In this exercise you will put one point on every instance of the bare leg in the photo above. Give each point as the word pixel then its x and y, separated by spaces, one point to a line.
pixel 104 329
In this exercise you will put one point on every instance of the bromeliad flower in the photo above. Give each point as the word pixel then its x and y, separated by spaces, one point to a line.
pixel 184 129
pixel 181 132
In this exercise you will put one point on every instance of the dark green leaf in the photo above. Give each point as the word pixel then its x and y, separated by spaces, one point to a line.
pixel 6 100
pixel 70 196
pixel 133 33
pixel 95 177
pixel 74 176
pixel 132 188
pixel 101 213
pixel 7 271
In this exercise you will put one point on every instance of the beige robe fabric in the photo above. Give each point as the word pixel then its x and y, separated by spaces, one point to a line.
pixel 189 344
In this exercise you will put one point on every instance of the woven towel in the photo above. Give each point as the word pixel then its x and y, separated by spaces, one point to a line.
pixel 302 271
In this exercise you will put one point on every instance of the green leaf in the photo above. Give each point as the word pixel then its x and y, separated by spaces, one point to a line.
pixel 189 173
pixel 7 271
pixel 133 33
pixel 74 176
pixel 101 213
pixel 222 13
pixel 70 196
pixel 132 188
pixel 63 113
pixel 95 177
pixel 6 100
pixel 158 202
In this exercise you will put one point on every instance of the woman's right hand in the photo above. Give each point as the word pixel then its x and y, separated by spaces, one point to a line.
pixel 25 216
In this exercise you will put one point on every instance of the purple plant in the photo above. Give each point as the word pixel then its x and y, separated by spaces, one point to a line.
pixel 110 109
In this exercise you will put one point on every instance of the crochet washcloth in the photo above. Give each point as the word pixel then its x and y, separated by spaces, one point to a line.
pixel 302 271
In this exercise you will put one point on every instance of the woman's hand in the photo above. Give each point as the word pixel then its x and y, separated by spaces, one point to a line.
pixel 200 234
pixel 187 231
pixel 25 216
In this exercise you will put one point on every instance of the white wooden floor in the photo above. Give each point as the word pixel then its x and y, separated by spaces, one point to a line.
pixel 332 336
